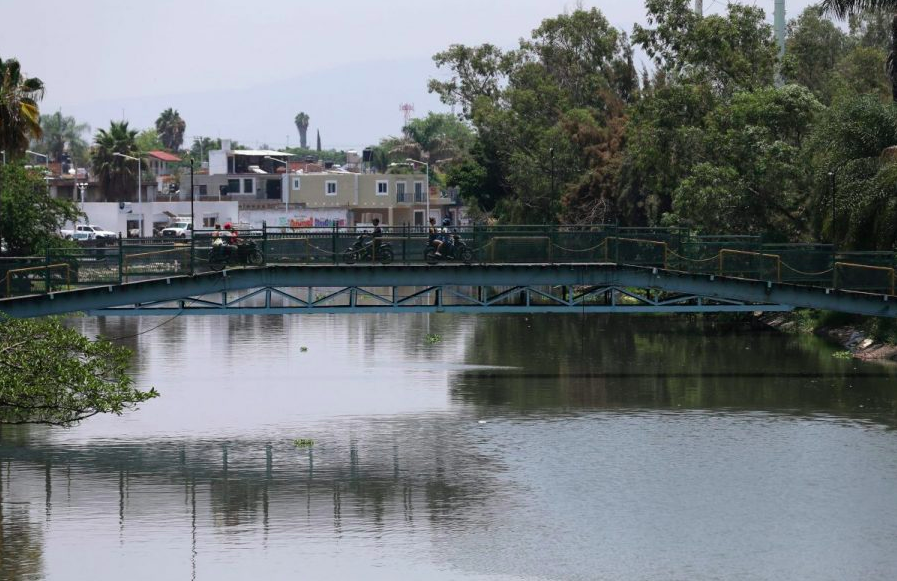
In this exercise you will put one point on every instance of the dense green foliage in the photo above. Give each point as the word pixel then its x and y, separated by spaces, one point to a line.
pixel 54 375
pixel 19 111
pixel 149 140
pixel 62 134
pixel 301 120
pixel 117 175
pixel 170 128
pixel 29 218
pixel 563 129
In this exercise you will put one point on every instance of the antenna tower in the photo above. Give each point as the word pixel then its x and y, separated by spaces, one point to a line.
pixel 407 109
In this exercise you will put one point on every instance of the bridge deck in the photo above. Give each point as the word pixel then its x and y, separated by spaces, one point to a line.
pixel 577 287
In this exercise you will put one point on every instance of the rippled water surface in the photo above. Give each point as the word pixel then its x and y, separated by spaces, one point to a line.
pixel 505 447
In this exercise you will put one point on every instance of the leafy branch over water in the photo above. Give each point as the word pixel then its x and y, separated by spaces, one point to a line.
pixel 50 374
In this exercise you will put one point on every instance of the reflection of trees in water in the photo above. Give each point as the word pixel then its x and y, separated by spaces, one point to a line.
pixel 249 483
pixel 21 540
pixel 21 543
pixel 664 362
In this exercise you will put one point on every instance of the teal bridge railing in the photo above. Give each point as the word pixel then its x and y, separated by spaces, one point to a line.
pixel 747 257
pixel 527 269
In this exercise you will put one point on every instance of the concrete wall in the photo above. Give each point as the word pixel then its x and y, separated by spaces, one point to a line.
pixel 112 216
pixel 295 218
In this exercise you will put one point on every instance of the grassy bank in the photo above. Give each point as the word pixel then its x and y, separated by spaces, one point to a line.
pixel 868 338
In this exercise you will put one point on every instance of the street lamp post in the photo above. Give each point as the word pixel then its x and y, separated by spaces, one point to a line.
pixel 286 164
pixel 1 199
pixel 46 158
pixel 139 186
pixel 427 187
pixel 82 187
pixel 192 218
pixel 831 177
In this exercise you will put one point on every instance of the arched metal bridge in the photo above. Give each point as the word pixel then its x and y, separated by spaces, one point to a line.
pixel 515 269
pixel 490 288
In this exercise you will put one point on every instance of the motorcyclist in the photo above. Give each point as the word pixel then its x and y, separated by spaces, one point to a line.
pixel 444 238
pixel 432 231
pixel 230 238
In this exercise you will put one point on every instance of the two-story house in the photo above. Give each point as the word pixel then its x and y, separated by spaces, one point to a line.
pixel 163 166
pixel 267 192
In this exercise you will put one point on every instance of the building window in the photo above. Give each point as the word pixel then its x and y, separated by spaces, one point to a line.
pixel 247 186
pixel 233 186
pixel 330 187
pixel 418 191
pixel 209 222
pixel 203 190
pixel 400 191
pixel 382 188
pixel 296 183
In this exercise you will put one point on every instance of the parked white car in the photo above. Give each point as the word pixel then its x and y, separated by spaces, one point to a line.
pixel 180 229
pixel 88 232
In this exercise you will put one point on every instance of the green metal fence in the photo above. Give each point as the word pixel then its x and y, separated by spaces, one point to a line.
pixel 747 257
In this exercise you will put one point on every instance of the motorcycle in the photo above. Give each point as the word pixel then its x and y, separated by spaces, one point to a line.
pixel 243 253
pixel 458 251
pixel 363 250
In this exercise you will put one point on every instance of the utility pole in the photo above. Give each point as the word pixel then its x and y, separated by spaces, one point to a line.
pixel 699 8
pixel 779 25
pixel 192 215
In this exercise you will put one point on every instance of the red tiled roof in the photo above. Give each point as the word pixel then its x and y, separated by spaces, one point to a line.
pixel 163 155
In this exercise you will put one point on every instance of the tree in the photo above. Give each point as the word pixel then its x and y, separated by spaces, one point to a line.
pixel 752 176
pixel 29 218
pixel 730 52
pixel 301 121
pixel 439 136
pixel 54 375
pixel 148 140
pixel 843 8
pixel 851 148
pixel 62 134
pixel 117 175
pixel 19 111
pixel 170 128
pixel 318 148
pixel 815 46
pixel 574 71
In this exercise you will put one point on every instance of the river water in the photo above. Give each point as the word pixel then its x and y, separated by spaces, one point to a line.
pixel 464 447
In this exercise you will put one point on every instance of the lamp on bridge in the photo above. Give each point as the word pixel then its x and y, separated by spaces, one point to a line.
pixel 139 185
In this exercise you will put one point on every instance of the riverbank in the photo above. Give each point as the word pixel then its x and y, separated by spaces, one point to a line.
pixel 866 338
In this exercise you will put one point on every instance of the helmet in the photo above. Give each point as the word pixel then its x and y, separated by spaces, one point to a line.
pixel 446 222
pixel 228 226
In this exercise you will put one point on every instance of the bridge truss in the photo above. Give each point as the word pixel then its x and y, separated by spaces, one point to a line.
pixel 514 288
pixel 439 299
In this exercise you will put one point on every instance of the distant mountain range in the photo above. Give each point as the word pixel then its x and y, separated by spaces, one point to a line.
pixel 353 106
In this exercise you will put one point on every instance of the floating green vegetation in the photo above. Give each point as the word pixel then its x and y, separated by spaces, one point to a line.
pixel 842 355
pixel 303 349
pixel 303 442
pixel 433 338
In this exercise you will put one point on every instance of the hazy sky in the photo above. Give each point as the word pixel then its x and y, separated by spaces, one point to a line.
pixel 242 69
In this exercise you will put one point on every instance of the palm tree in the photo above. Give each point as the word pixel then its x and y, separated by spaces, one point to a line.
pixel 301 121
pixel 842 8
pixel 171 129
pixel 19 112
pixel 117 175
pixel 62 133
